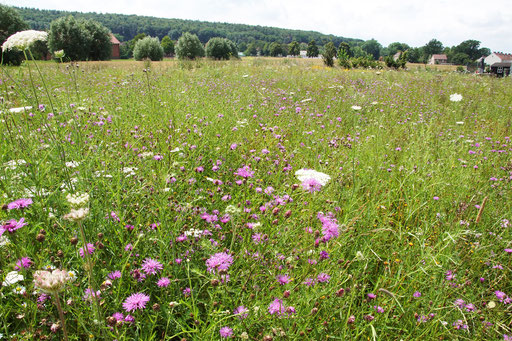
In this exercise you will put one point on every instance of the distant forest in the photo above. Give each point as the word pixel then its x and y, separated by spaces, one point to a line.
pixel 126 27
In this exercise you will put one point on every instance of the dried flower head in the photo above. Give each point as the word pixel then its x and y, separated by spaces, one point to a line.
pixel 51 282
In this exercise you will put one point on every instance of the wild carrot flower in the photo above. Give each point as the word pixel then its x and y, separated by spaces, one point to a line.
pixel 305 174
pixel 11 278
pixel 77 215
pixel 135 301
pixel 22 40
pixel 51 282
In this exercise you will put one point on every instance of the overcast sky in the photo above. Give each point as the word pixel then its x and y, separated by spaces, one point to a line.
pixel 410 21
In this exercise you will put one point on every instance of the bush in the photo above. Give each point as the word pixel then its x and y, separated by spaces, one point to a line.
pixel 167 45
pixel 80 39
pixel 148 48
pixel 10 23
pixel 221 48
pixel 329 54
pixel 189 47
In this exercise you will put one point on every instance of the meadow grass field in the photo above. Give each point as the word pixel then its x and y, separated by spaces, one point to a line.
pixel 262 199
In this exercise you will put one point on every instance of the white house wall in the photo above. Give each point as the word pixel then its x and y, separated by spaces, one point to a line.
pixel 491 59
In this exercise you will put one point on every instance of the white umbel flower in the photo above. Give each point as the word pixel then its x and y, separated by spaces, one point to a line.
pixel 77 215
pixel 78 199
pixel 305 174
pixel 22 40
pixel 11 278
pixel 455 97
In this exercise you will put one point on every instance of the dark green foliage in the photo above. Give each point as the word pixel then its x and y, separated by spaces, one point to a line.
pixel 275 49
pixel 125 52
pixel 80 39
pixel 130 25
pixel 329 54
pixel 10 23
pixel 344 49
pixel 372 47
pixel 466 52
pixel 395 47
pixel 135 39
pixel 312 50
pixel 148 48
pixel 189 47
pixel 100 47
pixel 400 62
pixel 344 58
pixel 251 50
pixel 167 45
pixel 294 48
pixel 221 48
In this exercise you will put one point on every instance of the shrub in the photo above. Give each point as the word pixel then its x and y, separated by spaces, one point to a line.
pixel 221 48
pixel 80 39
pixel 148 48
pixel 167 45
pixel 189 47
pixel 329 54
pixel 10 23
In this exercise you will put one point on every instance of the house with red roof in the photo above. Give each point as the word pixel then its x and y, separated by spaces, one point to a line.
pixel 499 63
pixel 438 59
pixel 115 47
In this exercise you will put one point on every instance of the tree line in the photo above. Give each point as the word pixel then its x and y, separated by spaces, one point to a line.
pixel 251 40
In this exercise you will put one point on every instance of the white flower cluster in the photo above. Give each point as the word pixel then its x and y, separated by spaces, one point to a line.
pixel 78 199
pixel 77 215
pixel 305 174
pixel 455 97
pixel 22 40
pixel 51 282
pixel 193 233
pixel 11 278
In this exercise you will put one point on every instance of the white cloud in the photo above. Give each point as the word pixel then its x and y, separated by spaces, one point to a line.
pixel 413 22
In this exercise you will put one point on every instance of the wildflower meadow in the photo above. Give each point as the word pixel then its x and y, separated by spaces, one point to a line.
pixel 255 199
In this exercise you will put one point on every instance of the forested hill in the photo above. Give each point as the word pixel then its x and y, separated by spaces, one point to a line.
pixel 127 26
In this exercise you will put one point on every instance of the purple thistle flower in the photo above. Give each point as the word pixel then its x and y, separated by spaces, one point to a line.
pixel 311 185
pixel 151 266
pixel 118 316
pixel 135 301
pixel 242 312
pixel 245 172
pixel 283 279
pixel 90 249
pixel 219 261
pixel 163 282
pixel 378 308
pixel 226 332
pixel 89 294
pixel 416 294
pixel 276 307
pixel 23 263
pixel 323 277
pixel 459 303
pixel 129 319
pixel 20 203
pixel 114 275
pixel 371 296
pixel 12 225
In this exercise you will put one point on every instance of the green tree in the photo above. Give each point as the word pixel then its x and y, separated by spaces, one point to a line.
pixel 312 50
pixel 294 48
pixel 471 48
pixel 372 47
pixel 135 39
pixel 220 48
pixel 329 54
pixel 344 49
pixel 10 23
pixel 252 50
pixel 275 49
pixel 189 47
pixel 70 35
pixel 167 45
pixel 100 47
pixel 434 46
pixel 148 48
pixel 80 39
pixel 395 47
